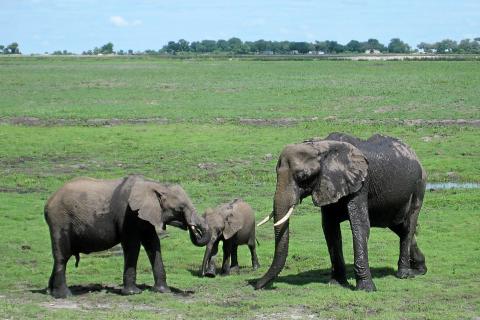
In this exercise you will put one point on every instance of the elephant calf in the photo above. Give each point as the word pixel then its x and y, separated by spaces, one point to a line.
pixel 234 224
pixel 88 215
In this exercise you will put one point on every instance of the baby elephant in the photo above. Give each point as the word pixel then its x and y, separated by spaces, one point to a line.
pixel 234 224
pixel 88 215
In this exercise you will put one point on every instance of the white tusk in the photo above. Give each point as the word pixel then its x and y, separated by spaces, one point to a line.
pixel 267 218
pixel 285 218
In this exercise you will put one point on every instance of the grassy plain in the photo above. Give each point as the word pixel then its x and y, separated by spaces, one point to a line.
pixel 216 156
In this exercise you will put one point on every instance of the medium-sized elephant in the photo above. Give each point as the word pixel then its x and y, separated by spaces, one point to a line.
pixel 378 182
pixel 88 215
pixel 234 224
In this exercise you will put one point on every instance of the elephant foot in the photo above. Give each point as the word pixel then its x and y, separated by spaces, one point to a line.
pixel 338 282
pixel 235 269
pixel 60 293
pixel 161 289
pixel 225 272
pixel 366 285
pixel 130 290
pixel 418 270
pixel 209 274
pixel 404 273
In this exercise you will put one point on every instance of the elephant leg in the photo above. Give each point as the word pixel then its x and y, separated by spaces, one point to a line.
pixel 404 258
pixel 333 237
pixel 253 253
pixel 227 250
pixel 417 259
pixel 234 267
pixel 360 225
pixel 151 243
pixel 208 265
pixel 57 284
pixel 411 261
pixel 131 249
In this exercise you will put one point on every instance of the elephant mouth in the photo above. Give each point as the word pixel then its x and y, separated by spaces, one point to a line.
pixel 178 224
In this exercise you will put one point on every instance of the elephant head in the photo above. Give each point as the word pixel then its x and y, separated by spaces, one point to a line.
pixel 326 170
pixel 162 204
pixel 223 222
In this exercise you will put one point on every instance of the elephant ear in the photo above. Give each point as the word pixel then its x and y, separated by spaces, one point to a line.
pixel 343 170
pixel 233 223
pixel 145 198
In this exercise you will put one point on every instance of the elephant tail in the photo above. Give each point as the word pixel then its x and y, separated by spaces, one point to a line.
pixel 77 259
pixel 258 243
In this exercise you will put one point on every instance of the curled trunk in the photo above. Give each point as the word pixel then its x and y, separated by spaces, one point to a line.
pixel 199 231
pixel 201 238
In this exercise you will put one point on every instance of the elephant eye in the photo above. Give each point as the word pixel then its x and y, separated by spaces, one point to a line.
pixel 301 176
pixel 304 178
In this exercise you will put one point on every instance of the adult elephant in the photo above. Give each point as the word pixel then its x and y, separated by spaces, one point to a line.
pixel 88 215
pixel 378 182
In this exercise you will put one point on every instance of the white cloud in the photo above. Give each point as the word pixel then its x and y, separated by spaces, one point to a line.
pixel 119 21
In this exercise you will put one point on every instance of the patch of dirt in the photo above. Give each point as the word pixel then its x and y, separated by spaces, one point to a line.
pixel 385 109
pixel 84 305
pixel 21 190
pixel 267 157
pixel 100 122
pixel 299 312
pixel 207 165
pixel 95 122
pixel 269 122
pixel 61 304
pixel 418 122
pixel 446 122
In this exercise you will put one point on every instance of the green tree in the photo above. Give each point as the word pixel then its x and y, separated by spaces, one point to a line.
pixel 223 46
pixel 446 46
pixel 209 45
pixel 467 46
pixel 353 46
pixel 373 44
pixel 301 47
pixel 107 48
pixel 334 47
pixel 2 47
pixel 398 46
pixel 235 45
pixel 183 45
pixel 12 48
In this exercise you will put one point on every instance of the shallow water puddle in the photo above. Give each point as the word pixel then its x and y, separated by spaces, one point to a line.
pixel 453 185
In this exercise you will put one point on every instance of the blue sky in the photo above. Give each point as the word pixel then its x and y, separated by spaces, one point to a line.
pixel 77 25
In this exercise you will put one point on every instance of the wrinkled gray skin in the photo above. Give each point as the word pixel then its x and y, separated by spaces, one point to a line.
pixel 88 215
pixel 378 182
pixel 234 224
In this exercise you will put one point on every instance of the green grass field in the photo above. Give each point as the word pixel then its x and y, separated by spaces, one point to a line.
pixel 233 118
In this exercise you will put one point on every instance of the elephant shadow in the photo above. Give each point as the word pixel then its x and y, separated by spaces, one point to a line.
pixel 323 276
pixel 80 290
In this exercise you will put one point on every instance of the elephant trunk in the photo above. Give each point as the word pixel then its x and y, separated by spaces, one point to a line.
pixel 206 259
pixel 284 200
pixel 199 231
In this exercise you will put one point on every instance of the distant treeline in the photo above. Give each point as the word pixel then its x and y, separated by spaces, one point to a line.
pixel 237 46
pixel 266 47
